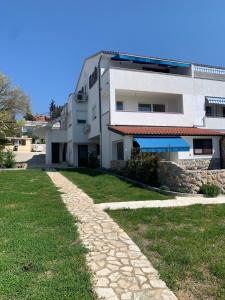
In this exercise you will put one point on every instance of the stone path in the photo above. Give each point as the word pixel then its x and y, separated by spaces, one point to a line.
pixel 121 271
pixel 179 201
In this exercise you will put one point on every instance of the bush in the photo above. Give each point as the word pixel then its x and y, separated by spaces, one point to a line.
pixel 210 190
pixel 93 161
pixel 164 188
pixel 9 159
pixel 1 159
pixel 183 190
pixel 142 167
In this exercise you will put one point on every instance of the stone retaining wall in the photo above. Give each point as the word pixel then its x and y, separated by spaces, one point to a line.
pixel 203 164
pixel 118 164
pixel 176 178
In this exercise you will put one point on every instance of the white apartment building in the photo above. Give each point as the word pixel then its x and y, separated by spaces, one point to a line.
pixel 173 108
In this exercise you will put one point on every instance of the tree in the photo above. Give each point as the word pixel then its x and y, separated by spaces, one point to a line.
pixel 13 102
pixel 54 110
pixel 29 117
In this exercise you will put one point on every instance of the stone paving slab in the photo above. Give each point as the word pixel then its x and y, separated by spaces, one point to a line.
pixel 178 202
pixel 120 270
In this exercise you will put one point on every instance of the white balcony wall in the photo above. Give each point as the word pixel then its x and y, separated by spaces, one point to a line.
pixel 131 99
pixel 190 154
pixel 193 90
pixel 215 123
pixel 176 87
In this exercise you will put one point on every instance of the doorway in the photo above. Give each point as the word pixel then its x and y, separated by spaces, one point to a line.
pixel 55 153
pixel 82 155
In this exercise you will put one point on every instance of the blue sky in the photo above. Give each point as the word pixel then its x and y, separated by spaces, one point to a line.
pixel 43 43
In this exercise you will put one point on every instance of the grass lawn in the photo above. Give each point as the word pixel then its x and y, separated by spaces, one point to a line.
pixel 40 253
pixel 103 187
pixel 186 245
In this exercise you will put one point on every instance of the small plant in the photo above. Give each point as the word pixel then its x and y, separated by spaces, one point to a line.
pixel 1 159
pixel 164 188
pixel 210 190
pixel 9 159
pixel 183 190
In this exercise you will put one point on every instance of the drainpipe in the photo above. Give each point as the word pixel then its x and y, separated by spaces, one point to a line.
pixel 100 106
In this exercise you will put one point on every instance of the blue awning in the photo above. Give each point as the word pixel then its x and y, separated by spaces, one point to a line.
pixel 162 144
pixel 146 60
pixel 216 100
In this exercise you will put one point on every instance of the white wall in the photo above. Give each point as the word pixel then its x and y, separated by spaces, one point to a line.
pixel 131 99
pixel 215 123
pixel 193 90
pixel 190 155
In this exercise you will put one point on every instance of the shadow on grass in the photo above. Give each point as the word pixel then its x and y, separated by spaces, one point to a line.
pixel 97 173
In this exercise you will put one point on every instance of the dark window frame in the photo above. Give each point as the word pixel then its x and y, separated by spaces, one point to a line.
pixel 198 144
pixel 159 105
pixel 120 150
pixel 144 105
pixel 118 103
pixel 81 121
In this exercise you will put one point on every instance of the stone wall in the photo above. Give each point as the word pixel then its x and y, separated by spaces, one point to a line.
pixel 202 163
pixel 179 179
pixel 118 164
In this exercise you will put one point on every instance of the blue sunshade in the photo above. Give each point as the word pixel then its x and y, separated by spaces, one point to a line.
pixel 146 60
pixel 162 144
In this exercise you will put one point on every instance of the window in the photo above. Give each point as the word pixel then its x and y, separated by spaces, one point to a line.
pixel 223 112
pixel 93 78
pixel 120 151
pixel 144 107
pixel 81 121
pixel 202 146
pixel 23 142
pixel 159 107
pixel 208 110
pixel 94 116
pixel 119 105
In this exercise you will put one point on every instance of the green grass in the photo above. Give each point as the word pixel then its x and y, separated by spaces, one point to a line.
pixel 186 245
pixel 41 256
pixel 104 187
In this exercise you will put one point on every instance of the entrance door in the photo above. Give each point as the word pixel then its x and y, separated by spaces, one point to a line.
pixel 82 155
pixel 64 151
pixel 55 153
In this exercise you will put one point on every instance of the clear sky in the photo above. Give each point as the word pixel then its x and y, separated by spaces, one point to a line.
pixel 43 43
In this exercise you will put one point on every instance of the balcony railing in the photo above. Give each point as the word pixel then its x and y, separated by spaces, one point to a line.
pixel 215 115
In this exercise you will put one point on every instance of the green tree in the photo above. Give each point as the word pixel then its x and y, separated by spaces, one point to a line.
pixel 54 110
pixel 13 102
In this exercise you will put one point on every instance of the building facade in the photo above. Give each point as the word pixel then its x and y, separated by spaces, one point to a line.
pixel 172 108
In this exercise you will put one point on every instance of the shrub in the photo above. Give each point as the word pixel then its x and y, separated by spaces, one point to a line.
pixel 9 159
pixel 164 188
pixel 183 190
pixel 142 167
pixel 1 159
pixel 210 190
pixel 93 161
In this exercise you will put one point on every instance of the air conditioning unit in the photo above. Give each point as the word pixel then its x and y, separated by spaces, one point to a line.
pixel 81 96
pixel 87 128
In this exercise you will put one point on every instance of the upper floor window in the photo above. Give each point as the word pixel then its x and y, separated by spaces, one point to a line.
pixel 80 121
pixel 159 107
pixel 144 107
pixel 202 146
pixel 119 105
pixel 208 110
pixel 94 115
pixel 93 78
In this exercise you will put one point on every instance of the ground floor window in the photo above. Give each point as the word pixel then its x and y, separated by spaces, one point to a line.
pixel 202 146
pixel 120 155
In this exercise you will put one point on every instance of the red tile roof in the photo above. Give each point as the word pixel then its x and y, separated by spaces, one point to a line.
pixel 154 130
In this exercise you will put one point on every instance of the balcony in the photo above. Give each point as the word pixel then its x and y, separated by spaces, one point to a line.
pixel 149 109
pixel 215 115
